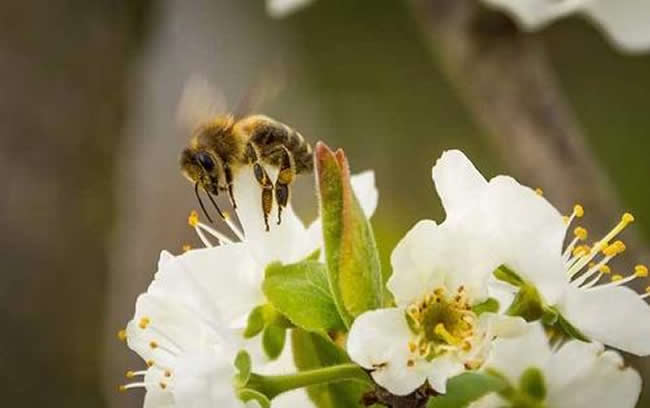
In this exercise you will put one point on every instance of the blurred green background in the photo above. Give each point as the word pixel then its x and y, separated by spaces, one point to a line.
pixel 88 150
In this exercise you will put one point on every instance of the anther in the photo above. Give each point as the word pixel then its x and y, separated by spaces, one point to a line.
pixel 627 218
pixel 410 363
pixel 150 363
pixel 122 388
pixel 193 219
pixel 539 191
pixel 144 322
pixel 641 271
pixel 168 373
pixel 121 335
pixel 581 233
pixel 187 247
pixel 578 210
pixel 605 269
pixel 129 374
pixel 163 385
pixel 616 278
pixel 153 345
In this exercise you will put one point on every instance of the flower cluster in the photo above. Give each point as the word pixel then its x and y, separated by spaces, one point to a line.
pixel 503 304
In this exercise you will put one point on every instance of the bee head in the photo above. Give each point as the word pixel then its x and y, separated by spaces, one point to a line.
pixel 202 167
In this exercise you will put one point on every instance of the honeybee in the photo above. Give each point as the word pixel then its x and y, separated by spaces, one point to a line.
pixel 224 144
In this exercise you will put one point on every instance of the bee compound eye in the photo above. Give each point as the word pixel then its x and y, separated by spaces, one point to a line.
pixel 205 161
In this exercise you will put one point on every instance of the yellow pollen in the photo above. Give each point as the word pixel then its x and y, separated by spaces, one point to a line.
pixel 627 218
pixel 441 331
pixel 616 278
pixel 144 322
pixel 578 210
pixel 620 246
pixel 122 388
pixel 641 271
pixel 187 247
pixel 149 363
pixel 163 385
pixel 539 191
pixel 410 363
pixel 581 233
pixel 605 269
pixel 193 219
pixel 121 335
pixel 153 345
pixel 130 374
pixel 412 347
pixel 611 250
pixel 168 373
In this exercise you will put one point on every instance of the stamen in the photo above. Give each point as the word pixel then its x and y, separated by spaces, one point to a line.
pixel 647 293
pixel 121 335
pixel 144 322
pixel 441 331
pixel 194 222
pixel 233 227
pixel 127 387
pixel 187 247
pixel 539 191
pixel 131 374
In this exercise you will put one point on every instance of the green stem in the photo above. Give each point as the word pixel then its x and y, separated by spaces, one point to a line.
pixel 273 385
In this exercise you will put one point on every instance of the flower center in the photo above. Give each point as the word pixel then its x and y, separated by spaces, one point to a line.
pixel 441 321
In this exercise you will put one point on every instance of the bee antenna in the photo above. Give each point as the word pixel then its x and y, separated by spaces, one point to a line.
pixel 215 205
pixel 198 197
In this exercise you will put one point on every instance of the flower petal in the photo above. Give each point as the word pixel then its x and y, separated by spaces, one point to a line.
pixel 616 316
pixel 583 375
pixel 527 232
pixel 511 356
pixel 363 185
pixel 625 22
pixel 282 8
pixel 441 369
pixel 457 181
pixel 415 261
pixel 378 340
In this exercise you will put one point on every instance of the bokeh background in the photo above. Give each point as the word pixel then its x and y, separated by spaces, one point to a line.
pixel 89 145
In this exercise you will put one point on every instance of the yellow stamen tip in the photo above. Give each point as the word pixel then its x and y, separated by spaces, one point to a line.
pixel 163 385
pixel 168 373
pixel 578 210
pixel 130 374
pixel 620 246
pixel 627 218
pixel 121 335
pixel 122 388
pixel 539 191
pixel 187 247
pixel 144 322
pixel 616 278
pixel 153 345
pixel 193 219
pixel 641 271
pixel 605 269
pixel 581 233
pixel 149 363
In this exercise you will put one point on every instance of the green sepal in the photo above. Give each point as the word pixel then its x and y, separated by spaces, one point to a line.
pixel 466 388
pixel 532 383
pixel 273 340
pixel 527 304
pixel 301 292
pixel 570 330
pixel 246 395
pixel 491 305
pixel 243 365
pixel 506 274
pixel 316 350
pixel 354 271
pixel 550 316
pixel 255 323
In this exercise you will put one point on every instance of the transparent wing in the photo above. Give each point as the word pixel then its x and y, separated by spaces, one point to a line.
pixel 269 84
pixel 199 102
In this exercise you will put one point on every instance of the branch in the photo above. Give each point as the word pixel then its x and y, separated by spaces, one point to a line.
pixel 505 79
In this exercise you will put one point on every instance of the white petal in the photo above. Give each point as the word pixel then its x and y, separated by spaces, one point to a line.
pixel 228 276
pixel 457 181
pixel 583 375
pixel 204 380
pixel 416 263
pixel 378 340
pixel 502 292
pixel 616 316
pixel 363 185
pixel 626 22
pixel 489 401
pixel 534 14
pixel 441 369
pixel 282 8
pixel 511 356
pixel 284 242
pixel 528 233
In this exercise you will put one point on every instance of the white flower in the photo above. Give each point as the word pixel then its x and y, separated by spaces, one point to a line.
pixel 578 375
pixel 440 273
pixel 282 8
pixel 624 21
pixel 232 272
pixel 526 233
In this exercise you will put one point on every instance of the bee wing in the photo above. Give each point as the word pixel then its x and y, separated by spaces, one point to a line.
pixel 267 87
pixel 200 101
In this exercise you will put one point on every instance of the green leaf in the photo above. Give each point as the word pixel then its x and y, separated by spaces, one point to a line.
pixel 491 305
pixel 248 395
pixel 532 383
pixel 255 323
pixel 273 340
pixel 301 293
pixel 243 365
pixel 313 350
pixel 354 271
pixel 467 388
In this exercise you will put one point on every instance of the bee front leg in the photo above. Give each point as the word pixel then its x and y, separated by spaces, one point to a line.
pixel 286 176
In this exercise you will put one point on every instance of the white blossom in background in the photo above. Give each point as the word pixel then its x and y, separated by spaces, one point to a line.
pixel 577 375
pixel 440 273
pixel 625 22
pixel 282 8
pixel 527 234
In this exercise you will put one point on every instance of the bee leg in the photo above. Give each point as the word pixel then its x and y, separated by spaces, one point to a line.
pixel 286 176
pixel 228 175
pixel 267 191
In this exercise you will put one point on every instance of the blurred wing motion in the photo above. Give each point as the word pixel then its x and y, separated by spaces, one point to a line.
pixel 269 84
pixel 200 101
